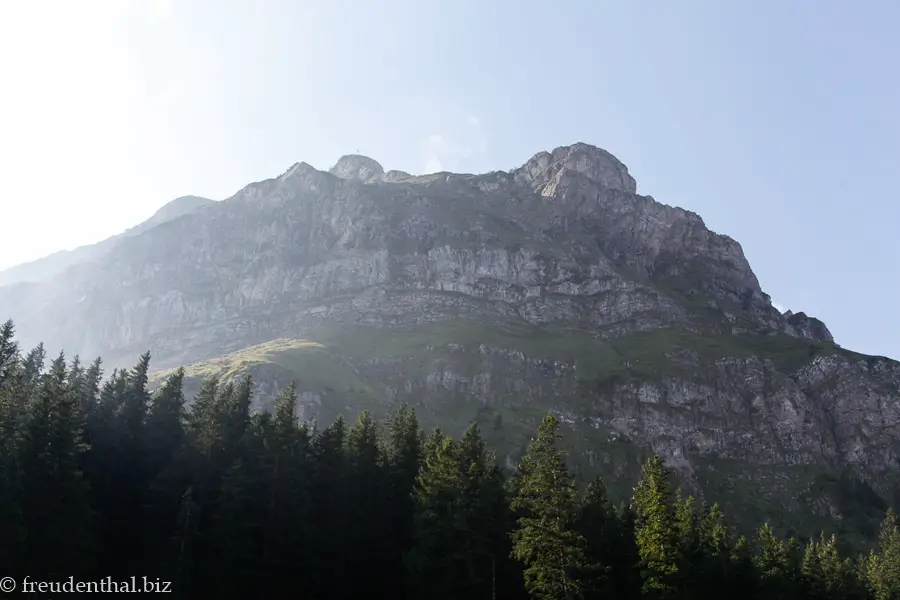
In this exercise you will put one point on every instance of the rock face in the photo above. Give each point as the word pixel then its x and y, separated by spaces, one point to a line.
pixel 501 295
pixel 354 166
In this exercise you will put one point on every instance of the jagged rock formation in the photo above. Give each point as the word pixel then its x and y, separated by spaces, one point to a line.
pixel 495 297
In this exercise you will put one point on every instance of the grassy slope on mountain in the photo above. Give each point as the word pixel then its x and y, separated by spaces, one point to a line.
pixel 349 369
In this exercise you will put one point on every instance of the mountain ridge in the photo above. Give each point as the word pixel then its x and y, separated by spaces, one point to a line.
pixel 46 267
pixel 496 297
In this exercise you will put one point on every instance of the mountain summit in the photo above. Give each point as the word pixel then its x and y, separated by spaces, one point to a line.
pixel 354 166
pixel 494 298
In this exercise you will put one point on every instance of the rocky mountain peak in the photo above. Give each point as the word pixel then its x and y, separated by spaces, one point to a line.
pixel 804 326
pixel 178 207
pixel 300 168
pixel 592 162
pixel 355 166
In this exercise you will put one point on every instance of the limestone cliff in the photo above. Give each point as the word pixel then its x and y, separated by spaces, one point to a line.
pixel 496 297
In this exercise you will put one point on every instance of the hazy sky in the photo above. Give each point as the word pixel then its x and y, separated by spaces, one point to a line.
pixel 778 122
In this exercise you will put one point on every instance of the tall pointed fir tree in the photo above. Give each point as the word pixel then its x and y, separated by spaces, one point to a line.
pixel 881 568
pixel 288 526
pixel 655 531
pixel 12 399
pixel 461 518
pixel 433 558
pixel 167 470
pixel 368 516
pixel 545 540
pixel 55 502
pixel 330 508
pixel 825 574
pixel 403 447
pixel 610 544
pixel 776 566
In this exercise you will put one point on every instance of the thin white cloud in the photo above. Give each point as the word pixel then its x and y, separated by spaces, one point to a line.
pixel 779 307
pixel 453 152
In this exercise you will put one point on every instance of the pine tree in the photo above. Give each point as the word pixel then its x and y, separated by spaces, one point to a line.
pixel 167 469
pixel 655 531
pixel 825 574
pixel 743 577
pixel 487 520
pixel 55 502
pixel 713 562
pixel 545 541
pixel 776 566
pixel 103 463
pixel 122 477
pixel 330 509
pixel 287 539
pixel 136 403
pixel 610 543
pixel 9 353
pixel 687 532
pixel 881 568
pixel 240 520
pixel 403 458
pixel 12 528
pixel 368 516
pixel 87 388
pixel 33 365
pixel 432 560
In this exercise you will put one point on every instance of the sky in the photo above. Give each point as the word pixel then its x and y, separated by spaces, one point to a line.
pixel 778 122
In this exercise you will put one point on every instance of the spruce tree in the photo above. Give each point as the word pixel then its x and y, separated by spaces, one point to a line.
pixel 12 399
pixel 609 543
pixel 368 516
pixel 776 566
pixel 486 519
pixel 825 574
pixel 287 535
pixel 713 565
pixel 55 503
pixel 167 469
pixel 9 353
pixel 330 497
pixel 545 540
pixel 881 568
pixel 433 560
pixel 236 534
pixel 403 457
pixel 655 531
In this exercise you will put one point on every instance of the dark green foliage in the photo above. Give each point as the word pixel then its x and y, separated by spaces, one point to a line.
pixel 54 500
pixel 108 480
pixel 545 539
pixel 881 568
pixel 656 531
pixel 460 548
pixel 609 535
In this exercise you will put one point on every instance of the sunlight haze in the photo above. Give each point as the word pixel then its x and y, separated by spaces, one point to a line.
pixel 776 122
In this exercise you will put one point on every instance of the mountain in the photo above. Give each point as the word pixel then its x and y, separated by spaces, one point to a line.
pixel 495 298
pixel 50 266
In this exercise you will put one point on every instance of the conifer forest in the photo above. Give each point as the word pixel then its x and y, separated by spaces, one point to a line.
pixel 100 479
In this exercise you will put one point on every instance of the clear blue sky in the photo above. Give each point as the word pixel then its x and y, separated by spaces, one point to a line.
pixel 778 122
